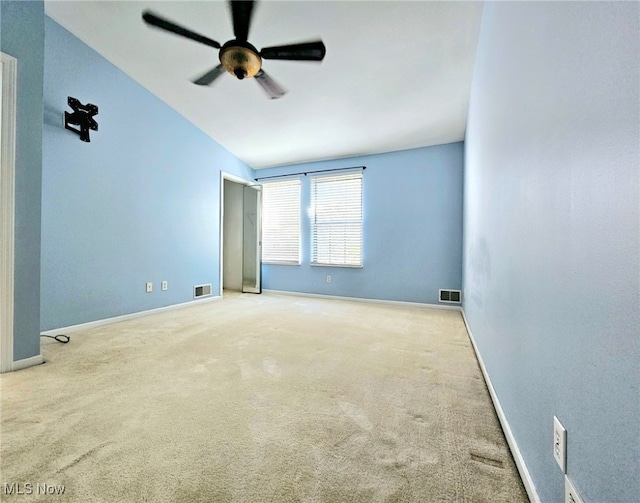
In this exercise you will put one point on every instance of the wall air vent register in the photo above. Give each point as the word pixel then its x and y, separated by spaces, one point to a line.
pixel 201 291
pixel 451 296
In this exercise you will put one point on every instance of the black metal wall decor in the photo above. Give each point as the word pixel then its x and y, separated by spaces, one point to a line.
pixel 82 116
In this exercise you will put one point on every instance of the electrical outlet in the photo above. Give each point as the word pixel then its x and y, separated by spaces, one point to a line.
pixel 164 286
pixel 560 444
pixel 149 287
pixel 328 278
pixel 570 493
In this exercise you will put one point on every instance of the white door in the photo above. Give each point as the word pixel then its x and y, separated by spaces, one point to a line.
pixel 252 240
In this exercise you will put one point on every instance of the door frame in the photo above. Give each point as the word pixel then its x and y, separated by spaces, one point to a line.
pixel 9 69
pixel 236 179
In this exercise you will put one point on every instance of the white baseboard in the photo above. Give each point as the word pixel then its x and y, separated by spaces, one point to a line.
pixel 27 362
pixel 359 299
pixel 527 481
pixel 125 317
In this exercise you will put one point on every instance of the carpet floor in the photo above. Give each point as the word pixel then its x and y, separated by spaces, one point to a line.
pixel 258 399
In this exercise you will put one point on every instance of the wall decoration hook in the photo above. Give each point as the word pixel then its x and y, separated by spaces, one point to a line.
pixel 82 116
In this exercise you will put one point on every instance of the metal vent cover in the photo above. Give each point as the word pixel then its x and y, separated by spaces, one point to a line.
pixel 202 290
pixel 451 296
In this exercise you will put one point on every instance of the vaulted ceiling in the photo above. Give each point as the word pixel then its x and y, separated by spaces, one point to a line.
pixel 396 75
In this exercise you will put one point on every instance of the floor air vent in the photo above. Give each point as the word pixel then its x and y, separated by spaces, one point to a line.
pixel 450 296
pixel 202 291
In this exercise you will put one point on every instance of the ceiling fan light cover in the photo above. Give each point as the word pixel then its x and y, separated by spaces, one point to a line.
pixel 241 62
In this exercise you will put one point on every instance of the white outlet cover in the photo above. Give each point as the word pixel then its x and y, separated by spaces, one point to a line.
pixel 164 285
pixel 570 493
pixel 560 444
pixel 149 287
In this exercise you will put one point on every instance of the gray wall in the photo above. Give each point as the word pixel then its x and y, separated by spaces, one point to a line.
pixel 22 36
pixel 551 235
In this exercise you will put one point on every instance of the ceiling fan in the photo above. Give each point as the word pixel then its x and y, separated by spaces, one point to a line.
pixel 238 56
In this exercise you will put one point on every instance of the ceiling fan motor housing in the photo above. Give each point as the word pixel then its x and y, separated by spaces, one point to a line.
pixel 240 59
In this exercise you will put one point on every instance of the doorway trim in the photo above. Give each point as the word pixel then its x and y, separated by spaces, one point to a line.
pixel 242 181
pixel 8 69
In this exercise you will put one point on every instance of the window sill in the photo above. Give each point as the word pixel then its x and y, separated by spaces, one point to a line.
pixel 337 265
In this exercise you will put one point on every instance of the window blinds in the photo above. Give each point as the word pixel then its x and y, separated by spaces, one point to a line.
pixel 336 220
pixel 281 222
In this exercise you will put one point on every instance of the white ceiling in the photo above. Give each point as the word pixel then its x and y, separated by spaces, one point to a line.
pixel 397 75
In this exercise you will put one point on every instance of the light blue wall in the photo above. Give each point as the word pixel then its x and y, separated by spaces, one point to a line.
pixel 140 203
pixel 551 236
pixel 412 228
pixel 22 36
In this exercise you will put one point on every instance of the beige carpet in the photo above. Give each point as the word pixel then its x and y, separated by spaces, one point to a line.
pixel 259 398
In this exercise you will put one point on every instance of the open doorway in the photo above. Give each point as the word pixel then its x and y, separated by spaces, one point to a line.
pixel 240 240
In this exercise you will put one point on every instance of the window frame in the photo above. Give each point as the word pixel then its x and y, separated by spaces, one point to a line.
pixel 313 213
pixel 296 182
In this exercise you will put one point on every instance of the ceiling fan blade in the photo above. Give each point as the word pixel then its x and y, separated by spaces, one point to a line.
pixel 167 25
pixel 241 13
pixel 270 86
pixel 308 51
pixel 210 76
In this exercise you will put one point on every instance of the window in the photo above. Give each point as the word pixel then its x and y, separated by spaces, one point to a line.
pixel 336 220
pixel 281 222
